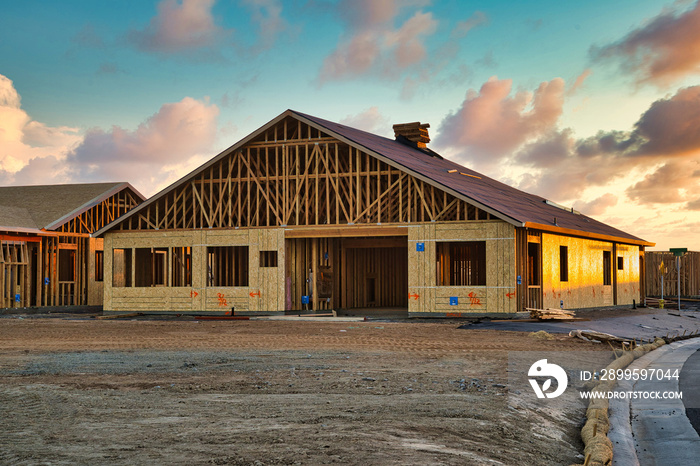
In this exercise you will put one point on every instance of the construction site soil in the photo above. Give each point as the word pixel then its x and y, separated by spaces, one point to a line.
pixel 76 390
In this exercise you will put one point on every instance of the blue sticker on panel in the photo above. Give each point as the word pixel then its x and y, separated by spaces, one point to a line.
pixel 520 280
pixel 454 301
pixel 420 247
pixel 46 281
pixel 304 300
pixel 17 298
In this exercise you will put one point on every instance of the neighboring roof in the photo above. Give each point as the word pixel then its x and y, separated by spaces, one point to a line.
pixel 50 206
pixel 15 217
pixel 505 202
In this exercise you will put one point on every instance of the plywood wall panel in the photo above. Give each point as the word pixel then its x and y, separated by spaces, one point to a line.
pixel 585 288
pixel 499 293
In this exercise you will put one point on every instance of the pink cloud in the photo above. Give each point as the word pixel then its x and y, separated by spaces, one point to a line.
pixel 675 181
pixel 496 130
pixel 352 58
pixel 183 26
pixel 660 52
pixel 22 138
pixel 372 43
pixel 370 120
pixel 462 28
pixel 408 40
pixel 491 123
pixel 170 143
pixel 176 132
pixel 579 81
pixel 671 126
pixel 664 147
pixel 597 206
pixel 267 15
pixel 167 145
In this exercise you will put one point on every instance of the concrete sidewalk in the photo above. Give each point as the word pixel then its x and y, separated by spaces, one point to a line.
pixel 655 431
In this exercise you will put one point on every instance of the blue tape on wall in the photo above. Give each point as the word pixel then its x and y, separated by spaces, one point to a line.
pixel 454 301
pixel 17 298
pixel 304 300
pixel 420 247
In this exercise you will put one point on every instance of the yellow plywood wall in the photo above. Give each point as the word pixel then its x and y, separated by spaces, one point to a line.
pixel 264 293
pixel 498 296
pixel 627 278
pixel 585 287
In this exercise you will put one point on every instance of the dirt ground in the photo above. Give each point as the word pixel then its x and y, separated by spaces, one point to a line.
pixel 75 390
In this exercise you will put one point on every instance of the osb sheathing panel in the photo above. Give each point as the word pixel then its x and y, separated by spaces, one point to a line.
pixel 584 287
pixel 95 288
pixel 499 293
pixel 226 298
pixel 266 284
pixel 107 289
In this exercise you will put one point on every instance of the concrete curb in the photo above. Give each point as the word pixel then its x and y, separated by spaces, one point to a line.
pixel 609 421
pixel 598 448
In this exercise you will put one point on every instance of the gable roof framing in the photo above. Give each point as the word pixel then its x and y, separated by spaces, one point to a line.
pixel 92 203
pixel 504 202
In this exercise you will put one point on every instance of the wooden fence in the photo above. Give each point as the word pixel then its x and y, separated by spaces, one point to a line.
pixel 689 274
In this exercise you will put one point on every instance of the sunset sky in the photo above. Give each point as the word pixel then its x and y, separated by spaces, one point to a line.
pixel 593 104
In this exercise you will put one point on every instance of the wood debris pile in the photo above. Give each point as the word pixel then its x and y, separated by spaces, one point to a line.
pixel 551 314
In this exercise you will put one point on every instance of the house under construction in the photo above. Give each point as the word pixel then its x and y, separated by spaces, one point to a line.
pixel 47 257
pixel 307 214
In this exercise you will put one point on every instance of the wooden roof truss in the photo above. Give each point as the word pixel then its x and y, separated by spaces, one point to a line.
pixel 101 214
pixel 291 173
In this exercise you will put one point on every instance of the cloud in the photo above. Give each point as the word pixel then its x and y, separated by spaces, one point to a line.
pixel 367 13
pixel 370 120
pixel 372 44
pixel 579 81
pixel 462 28
pixel 661 52
pixel 267 15
pixel 517 136
pixel 671 126
pixel 169 138
pixel 491 123
pixel 88 37
pixel 186 26
pixel 109 69
pixel 22 138
pixel 663 148
pixel 597 206
pixel 407 41
pixel 43 170
pixel 168 144
pixel 673 182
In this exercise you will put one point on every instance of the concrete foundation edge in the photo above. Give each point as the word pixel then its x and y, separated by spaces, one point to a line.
pixel 465 315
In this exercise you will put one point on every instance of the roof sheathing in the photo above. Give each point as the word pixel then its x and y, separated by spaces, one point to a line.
pixel 510 204
pixel 50 206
